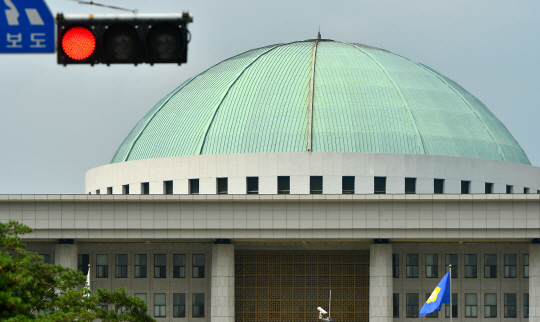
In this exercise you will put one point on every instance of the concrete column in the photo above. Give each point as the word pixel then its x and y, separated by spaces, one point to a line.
pixel 222 283
pixel 380 283
pixel 534 282
pixel 66 255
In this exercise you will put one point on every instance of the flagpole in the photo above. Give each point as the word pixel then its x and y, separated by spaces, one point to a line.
pixel 450 277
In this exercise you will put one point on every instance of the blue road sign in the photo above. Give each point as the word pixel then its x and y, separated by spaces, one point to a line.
pixel 26 26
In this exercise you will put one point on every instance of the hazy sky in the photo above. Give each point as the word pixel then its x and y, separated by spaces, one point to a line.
pixel 58 122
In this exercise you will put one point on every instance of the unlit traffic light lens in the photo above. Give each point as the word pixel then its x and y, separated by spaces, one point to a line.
pixel 121 42
pixel 78 43
pixel 165 41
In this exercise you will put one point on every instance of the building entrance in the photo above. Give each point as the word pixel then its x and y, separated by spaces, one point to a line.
pixel 290 285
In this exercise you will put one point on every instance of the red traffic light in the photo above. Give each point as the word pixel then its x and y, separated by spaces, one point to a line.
pixel 78 43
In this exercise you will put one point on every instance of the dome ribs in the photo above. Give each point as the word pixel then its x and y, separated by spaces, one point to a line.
pixel 419 141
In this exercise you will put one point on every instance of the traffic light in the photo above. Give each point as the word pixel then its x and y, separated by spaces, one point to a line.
pixel 122 39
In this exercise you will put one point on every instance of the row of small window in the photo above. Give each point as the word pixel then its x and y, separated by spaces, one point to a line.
pixel 471 266
pixel 141 264
pixel 315 186
pixel 471 305
pixel 179 305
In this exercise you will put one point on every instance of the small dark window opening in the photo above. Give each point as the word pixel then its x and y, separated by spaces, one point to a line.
pixel 179 305
pixel 379 185
pixel 198 266
pixel 509 189
pixel 252 184
pixel 438 186
pixel 109 190
pixel 193 186
pixel 179 266
pixel 145 188
pixel 168 187
pixel 198 305
pixel 315 185
pixel 98 192
pixel 121 266
pixel 395 304
pixel 465 187
pixel 125 189
pixel 284 185
pixel 222 186
pixel 160 265
pixel 82 263
pixel 46 258
pixel 395 265
pixel 525 190
pixel 410 185
pixel 347 185
pixel 489 187
pixel 490 265
pixel 140 265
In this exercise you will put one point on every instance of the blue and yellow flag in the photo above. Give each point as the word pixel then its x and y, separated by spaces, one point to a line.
pixel 440 295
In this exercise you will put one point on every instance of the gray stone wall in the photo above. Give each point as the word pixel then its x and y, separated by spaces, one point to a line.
pixel 380 283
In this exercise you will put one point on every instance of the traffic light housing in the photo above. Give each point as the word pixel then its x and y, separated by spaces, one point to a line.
pixel 122 39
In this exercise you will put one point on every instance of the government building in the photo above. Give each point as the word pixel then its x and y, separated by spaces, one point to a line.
pixel 290 172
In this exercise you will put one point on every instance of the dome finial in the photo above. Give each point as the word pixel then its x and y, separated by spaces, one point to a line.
pixel 319 33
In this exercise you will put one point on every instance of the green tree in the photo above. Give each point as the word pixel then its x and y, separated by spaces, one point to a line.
pixel 33 290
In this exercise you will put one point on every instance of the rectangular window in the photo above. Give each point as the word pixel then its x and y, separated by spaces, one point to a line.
pixel 142 296
pixel 470 266
pixel 526 305
pixel 82 263
pixel 509 189
pixel 160 265
pixel 222 186
pixel 168 187
pixel 103 307
pixel 125 189
pixel 159 305
pixel 490 266
pixel 283 185
pixel 525 190
pixel 465 187
pixel 489 188
pixel 410 185
pixel 120 309
pixel 193 186
pixel 179 305
pixel 509 265
pixel 412 265
pixel 102 266
pixel 179 266
pixel 395 305
pixel 471 309
pixel 438 186
pixel 434 314
pixel 140 265
pixel 347 185
pixel 395 265
pixel 379 185
pixel 198 266
pixel 198 305
pixel 412 305
pixel 252 184
pixel 451 259
pixel 454 307
pixel 121 266
pixel 432 265
pixel 315 185
pixel 47 258
pixel 490 305
pixel 510 305
pixel 109 190
pixel 145 188
pixel 98 192
pixel 526 265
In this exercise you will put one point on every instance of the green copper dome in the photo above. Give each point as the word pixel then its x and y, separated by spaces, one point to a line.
pixel 324 96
